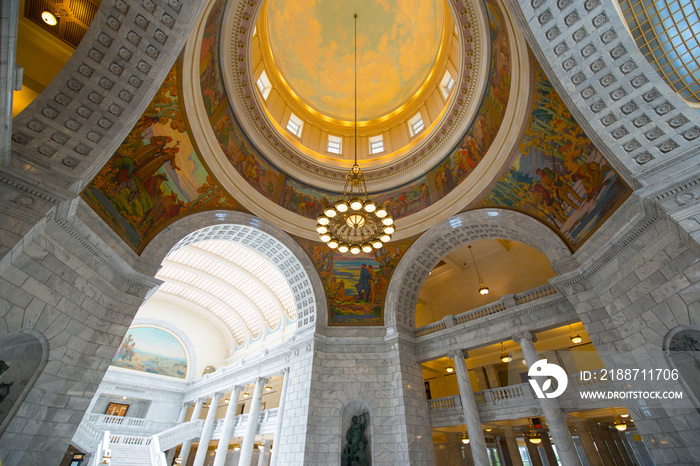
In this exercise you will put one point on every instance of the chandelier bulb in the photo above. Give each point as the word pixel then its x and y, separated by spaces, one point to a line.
pixel 367 247
pixel 325 238
pixel 333 244
pixel 385 238
pixel 330 212
pixel 389 230
pixel 381 212
pixel 356 204
pixel 342 247
pixel 377 244
pixel 342 206
pixel 370 206
pixel 321 229
pixel 355 249
pixel 323 220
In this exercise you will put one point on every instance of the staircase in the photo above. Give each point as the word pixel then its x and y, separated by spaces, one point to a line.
pixel 130 455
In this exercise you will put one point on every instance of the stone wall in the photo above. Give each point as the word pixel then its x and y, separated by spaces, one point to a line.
pixel 82 303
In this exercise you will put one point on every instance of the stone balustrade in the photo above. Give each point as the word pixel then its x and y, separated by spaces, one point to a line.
pixel 507 302
pixel 119 424
pixel 515 402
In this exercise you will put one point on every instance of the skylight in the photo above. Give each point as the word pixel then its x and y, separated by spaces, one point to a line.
pixel 264 85
pixel 294 125
pixel 376 144
pixel 335 144
pixel 415 124
pixel 447 84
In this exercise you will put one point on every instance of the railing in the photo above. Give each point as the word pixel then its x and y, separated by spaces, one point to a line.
pixel 445 403
pixel 176 435
pixel 505 303
pixel 502 395
pixel 128 423
pixel 157 455
pixel 116 439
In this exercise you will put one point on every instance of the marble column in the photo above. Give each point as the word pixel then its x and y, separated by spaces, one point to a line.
pixel 207 431
pixel 187 446
pixel 587 443
pixel 550 408
pixel 512 444
pixel 264 453
pixel 227 428
pixel 471 411
pixel 9 12
pixel 610 442
pixel 280 417
pixel 617 436
pixel 534 453
pixel 603 450
pixel 253 420
pixel 170 455
pixel 492 376
pixel 548 450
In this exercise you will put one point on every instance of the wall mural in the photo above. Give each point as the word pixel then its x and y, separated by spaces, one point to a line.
pixel 152 350
pixel 155 177
pixel 355 285
pixel 407 199
pixel 558 175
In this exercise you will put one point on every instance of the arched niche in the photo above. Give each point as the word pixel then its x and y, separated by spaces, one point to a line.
pixel 265 238
pixel 682 350
pixel 436 243
pixel 24 354
pixel 353 410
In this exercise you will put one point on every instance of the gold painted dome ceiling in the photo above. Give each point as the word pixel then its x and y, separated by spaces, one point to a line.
pixel 260 68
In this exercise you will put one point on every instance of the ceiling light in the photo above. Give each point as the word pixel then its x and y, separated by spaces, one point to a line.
pixel 576 339
pixel 450 369
pixel 355 223
pixel 625 415
pixel 505 355
pixel 227 400
pixel 483 289
pixel 268 388
pixel 236 447
pixel 464 439
pixel 49 18
pixel 535 439
pixel 178 460
pixel 621 426
pixel 261 446
pixel 246 394
pixel 488 429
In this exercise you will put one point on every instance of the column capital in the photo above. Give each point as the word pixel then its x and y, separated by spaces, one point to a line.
pixel 524 335
pixel 458 353
pixel 262 380
pixel 285 371
pixel 238 387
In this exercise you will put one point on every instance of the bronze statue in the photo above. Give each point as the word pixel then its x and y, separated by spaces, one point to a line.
pixel 355 452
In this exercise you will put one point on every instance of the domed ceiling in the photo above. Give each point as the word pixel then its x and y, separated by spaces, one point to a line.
pixel 313 48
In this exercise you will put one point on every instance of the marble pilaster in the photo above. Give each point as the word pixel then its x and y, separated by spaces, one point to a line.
pixel 512 444
pixel 280 416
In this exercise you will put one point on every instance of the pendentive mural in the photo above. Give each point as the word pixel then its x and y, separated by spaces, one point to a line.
pixel 152 350
pixel 558 175
pixel 155 177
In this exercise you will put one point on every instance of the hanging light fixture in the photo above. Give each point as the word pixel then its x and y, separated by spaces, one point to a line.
pixel 575 339
pixel 355 223
pixel 620 425
pixel 450 369
pixel 505 355
pixel 464 439
pixel 535 438
pixel 178 460
pixel 483 289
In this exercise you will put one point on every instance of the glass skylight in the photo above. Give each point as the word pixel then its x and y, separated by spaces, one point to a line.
pixel 447 84
pixel 264 85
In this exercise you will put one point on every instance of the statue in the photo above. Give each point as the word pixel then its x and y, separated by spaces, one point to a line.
pixel 355 452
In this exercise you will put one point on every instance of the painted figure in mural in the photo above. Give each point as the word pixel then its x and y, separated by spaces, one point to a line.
pixel 355 453
pixel 143 163
pixel 372 283
pixel 424 194
pixel 592 177
pixel 402 204
pixel 363 286
pixel 126 351
pixel 544 201
pixel 558 187
pixel 168 206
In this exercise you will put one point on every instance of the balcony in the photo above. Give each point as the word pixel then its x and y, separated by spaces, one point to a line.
pixel 516 402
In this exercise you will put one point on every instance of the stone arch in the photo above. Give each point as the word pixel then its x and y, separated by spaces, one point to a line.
pixel 26 352
pixel 265 238
pixel 679 355
pixel 436 243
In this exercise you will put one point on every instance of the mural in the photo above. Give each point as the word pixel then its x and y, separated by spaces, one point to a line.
pixel 558 175
pixel 312 45
pixel 356 285
pixel 152 350
pixel 403 200
pixel 155 177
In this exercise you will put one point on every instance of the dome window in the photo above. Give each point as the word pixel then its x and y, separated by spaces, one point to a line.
pixel 264 85
pixel 376 144
pixel 335 144
pixel 294 125
pixel 415 124
pixel 447 84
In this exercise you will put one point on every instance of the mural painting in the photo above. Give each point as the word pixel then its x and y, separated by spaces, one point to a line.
pixel 356 285
pixel 155 177
pixel 403 200
pixel 152 350
pixel 558 175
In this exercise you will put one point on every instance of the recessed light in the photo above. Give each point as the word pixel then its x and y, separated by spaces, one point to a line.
pixel 49 18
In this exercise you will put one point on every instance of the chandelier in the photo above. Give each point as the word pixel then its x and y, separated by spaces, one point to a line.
pixel 355 223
